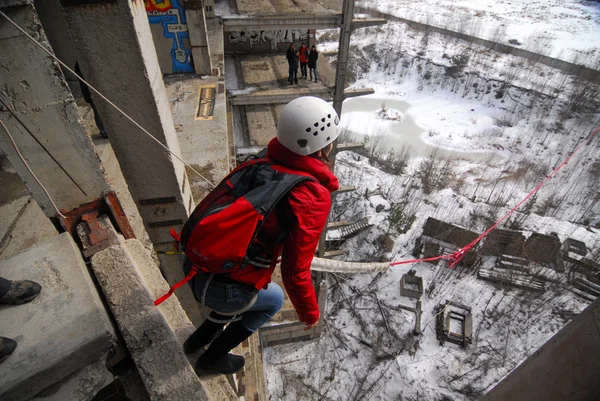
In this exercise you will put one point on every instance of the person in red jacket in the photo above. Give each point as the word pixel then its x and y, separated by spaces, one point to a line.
pixel 303 56
pixel 306 131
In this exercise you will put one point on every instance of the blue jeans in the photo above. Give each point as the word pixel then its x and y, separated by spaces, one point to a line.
pixel 227 297
pixel 311 73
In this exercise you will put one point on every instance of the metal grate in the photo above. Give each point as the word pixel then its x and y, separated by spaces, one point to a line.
pixel 206 102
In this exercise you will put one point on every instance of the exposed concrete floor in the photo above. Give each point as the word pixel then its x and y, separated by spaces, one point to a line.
pixel 206 144
pixel 301 8
pixel 266 75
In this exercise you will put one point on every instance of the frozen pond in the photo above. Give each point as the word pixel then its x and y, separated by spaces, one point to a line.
pixel 360 116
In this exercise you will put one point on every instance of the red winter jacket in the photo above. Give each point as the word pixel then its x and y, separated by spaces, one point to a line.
pixel 305 211
pixel 303 54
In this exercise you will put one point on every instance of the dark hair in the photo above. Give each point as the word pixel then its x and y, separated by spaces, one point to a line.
pixel 323 158
pixel 314 47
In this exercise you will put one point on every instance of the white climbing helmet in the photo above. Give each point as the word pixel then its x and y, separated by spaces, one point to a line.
pixel 307 124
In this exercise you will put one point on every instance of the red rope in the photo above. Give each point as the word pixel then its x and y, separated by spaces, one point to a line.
pixel 456 257
pixel 175 286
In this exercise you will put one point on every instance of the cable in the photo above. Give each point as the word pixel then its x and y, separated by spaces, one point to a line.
pixel 105 98
pixel 30 170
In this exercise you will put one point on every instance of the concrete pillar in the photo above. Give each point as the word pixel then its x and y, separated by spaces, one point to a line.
pixel 57 34
pixel 565 368
pixel 35 99
pixel 113 43
pixel 196 20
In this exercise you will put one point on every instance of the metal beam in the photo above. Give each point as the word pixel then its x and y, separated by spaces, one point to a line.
pixel 281 22
pixel 367 22
pixel 332 225
pixel 343 52
pixel 358 92
pixel 344 189
pixel 350 146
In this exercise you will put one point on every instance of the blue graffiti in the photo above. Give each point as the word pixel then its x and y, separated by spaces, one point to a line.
pixel 174 26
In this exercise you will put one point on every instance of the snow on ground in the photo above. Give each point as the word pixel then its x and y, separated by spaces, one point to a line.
pixel 364 356
pixel 367 350
pixel 565 29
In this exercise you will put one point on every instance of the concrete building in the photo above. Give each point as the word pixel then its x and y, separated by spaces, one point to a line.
pixel 90 223
pixel 110 198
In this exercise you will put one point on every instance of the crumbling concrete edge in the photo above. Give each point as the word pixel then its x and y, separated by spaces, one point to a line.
pixel 153 346
pixel 155 349
pixel 217 386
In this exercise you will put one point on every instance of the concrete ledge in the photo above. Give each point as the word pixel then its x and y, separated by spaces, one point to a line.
pixel 281 22
pixel 164 369
pixel 131 281
pixel 217 386
pixel 63 330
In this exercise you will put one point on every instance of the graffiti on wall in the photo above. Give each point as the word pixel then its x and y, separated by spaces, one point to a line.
pixel 170 14
pixel 253 38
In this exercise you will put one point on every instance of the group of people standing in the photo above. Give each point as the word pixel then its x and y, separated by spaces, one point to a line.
pixel 305 58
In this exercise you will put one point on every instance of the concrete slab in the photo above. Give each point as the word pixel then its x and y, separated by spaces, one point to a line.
pixel 61 331
pixel 289 7
pixel 12 185
pixel 261 124
pixel 30 227
pixel 9 215
pixel 82 385
pixel 258 71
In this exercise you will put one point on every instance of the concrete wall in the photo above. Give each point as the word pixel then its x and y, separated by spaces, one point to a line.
pixel 171 37
pixel 566 368
pixel 565 66
pixel 34 88
pixel 264 41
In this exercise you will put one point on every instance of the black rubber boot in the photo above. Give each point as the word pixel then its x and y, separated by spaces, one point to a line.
pixel 7 347
pixel 205 334
pixel 217 358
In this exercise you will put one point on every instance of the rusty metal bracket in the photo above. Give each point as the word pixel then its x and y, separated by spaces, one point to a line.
pixel 96 233
pixel 109 205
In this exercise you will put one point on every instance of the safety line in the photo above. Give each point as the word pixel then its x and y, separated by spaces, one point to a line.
pixel 456 257
pixel 105 98
pixel 30 170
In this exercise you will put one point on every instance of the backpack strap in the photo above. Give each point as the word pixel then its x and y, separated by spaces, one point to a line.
pixel 191 275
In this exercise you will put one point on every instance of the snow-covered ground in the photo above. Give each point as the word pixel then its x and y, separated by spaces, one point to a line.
pixel 565 29
pixel 495 105
pixel 368 351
